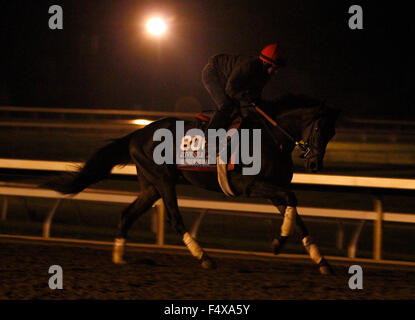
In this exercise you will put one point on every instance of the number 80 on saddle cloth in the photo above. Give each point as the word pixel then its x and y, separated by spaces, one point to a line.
pixel 192 154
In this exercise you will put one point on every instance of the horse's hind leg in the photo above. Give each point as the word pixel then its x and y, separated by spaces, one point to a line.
pixel 169 196
pixel 144 201
pixel 308 243
pixel 164 179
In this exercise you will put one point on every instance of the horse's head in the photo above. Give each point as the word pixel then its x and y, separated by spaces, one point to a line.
pixel 317 131
pixel 306 119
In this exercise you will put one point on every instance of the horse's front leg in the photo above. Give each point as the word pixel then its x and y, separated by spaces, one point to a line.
pixel 289 214
pixel 308 243
pixel 285 200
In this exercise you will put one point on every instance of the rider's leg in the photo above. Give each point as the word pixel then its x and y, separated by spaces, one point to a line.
pixel 215 85
pixel 221 118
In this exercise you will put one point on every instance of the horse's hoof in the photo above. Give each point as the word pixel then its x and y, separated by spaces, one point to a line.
pixel 119 261
pixel 207 262
pixel 325 268
pixel 277 244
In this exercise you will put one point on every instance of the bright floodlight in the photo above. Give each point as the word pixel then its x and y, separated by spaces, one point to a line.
pixel 156 26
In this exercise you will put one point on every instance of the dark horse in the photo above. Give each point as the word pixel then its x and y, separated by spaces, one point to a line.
pixel 303 118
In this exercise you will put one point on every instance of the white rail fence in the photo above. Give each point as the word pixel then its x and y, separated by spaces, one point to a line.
pixel 378 216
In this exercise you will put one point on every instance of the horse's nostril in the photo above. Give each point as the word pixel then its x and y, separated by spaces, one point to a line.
pixel 313 165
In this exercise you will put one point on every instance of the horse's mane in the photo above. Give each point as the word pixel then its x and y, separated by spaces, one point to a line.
pixel 290 103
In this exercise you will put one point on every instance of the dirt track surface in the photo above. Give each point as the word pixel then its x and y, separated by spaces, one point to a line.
pixel 88 273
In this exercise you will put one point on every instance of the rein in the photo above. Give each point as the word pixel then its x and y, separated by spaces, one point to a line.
pixel 303 146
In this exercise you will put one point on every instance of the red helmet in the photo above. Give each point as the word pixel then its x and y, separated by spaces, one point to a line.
pixel 272 54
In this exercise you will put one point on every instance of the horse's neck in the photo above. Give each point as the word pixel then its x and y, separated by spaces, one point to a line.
pixel 293 124
pixel 299 119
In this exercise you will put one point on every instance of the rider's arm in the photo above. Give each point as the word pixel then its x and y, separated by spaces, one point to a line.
pixel 239 85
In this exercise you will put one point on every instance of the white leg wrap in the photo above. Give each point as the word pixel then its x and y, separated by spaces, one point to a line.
pixel 192 245
pixel 118 252
pixel 289 221
pixel 312 250
pixel 119 242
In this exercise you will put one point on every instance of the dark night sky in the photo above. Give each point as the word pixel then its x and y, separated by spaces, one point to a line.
pixel 102 57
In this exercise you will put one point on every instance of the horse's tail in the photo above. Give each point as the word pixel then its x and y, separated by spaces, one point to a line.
pixel 95 169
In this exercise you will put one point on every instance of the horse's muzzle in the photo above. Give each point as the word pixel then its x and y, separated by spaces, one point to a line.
pixel 314 164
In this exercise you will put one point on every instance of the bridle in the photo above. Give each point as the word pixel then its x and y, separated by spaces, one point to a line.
pixel 309 145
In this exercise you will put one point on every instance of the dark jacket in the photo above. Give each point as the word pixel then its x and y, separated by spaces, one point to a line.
pixel 245 76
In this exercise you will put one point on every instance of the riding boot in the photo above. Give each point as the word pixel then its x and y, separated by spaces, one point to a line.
pixel 221 119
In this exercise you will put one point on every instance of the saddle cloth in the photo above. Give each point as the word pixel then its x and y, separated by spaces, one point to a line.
pixel 192 144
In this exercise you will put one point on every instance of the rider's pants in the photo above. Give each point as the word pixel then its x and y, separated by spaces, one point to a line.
pixel 215 85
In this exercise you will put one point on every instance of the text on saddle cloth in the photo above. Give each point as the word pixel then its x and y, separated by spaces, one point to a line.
pixel 192 153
